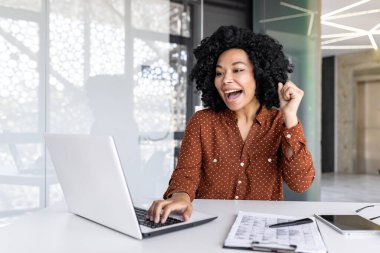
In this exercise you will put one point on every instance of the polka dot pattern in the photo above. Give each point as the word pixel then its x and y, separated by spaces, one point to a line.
pixel 215 162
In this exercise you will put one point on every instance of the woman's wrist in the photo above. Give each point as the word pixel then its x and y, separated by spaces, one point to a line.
pixel 181 195
pixel 290 121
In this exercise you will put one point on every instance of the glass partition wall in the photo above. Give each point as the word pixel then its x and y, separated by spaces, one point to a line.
pixel 296 25
pixel 102 67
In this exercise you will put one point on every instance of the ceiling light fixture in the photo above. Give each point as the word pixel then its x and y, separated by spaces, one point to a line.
pixel 344 27
pixel 342 39
pixel 283 17
pixel 348 47
pixel 351 31
pixel 373 29
pixel 373 42
pixel 352 14
pixel 338 35
pixel 344 8
pixel 306 12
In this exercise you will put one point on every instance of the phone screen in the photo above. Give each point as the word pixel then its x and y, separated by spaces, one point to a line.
pixel 351 222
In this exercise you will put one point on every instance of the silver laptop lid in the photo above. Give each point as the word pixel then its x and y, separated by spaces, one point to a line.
pixel 93 188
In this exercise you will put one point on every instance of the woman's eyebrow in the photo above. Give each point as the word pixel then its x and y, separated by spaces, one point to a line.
pixel 234 63
pixel 238 62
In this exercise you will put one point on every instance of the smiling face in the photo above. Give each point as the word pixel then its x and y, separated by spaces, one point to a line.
pixel 234 80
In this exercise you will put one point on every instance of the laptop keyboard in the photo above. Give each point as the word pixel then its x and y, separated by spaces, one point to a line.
pixel 141 217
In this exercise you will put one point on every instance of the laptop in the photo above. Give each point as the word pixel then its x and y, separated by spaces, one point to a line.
pixel 93 183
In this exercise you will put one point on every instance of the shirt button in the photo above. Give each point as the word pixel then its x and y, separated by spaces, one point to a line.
pixel 215 160
pixel 270 160
pixel 242 164
pixel 288 136
pixel 236 197
pixel 239 182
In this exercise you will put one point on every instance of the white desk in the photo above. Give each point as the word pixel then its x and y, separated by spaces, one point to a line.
pixel 56 230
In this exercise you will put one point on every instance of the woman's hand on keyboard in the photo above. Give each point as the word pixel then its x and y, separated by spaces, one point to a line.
pixel 178 202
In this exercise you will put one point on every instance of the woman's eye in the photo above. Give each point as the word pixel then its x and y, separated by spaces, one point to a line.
pixel 238 70
pixel 218 74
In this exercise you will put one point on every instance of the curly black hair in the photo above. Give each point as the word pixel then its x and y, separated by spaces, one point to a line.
pixel 270 66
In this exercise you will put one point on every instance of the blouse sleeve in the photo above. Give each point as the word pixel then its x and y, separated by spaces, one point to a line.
pixel 297 165
pixel 185 177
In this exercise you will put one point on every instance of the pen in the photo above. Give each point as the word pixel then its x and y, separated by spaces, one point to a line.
pixel 292 223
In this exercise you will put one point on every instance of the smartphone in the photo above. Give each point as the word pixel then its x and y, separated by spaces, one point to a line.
pixel 349 224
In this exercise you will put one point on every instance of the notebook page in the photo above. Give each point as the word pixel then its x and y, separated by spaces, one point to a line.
pixel 252 227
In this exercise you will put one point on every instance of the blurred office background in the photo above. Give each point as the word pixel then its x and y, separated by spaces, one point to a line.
pixel 120 67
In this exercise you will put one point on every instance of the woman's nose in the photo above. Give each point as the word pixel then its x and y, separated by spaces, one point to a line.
pixel 227 77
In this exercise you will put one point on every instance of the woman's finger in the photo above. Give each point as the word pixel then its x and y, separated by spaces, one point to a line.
pixel 291 91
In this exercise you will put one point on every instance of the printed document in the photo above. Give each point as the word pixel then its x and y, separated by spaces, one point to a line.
pixel 250 230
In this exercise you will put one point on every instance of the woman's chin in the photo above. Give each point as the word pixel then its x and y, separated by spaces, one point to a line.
pixel 233 107
pixel 239 105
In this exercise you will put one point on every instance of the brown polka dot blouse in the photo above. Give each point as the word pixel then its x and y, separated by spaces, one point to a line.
pixel 215 162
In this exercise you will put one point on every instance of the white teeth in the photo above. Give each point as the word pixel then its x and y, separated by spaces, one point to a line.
pixel 230 91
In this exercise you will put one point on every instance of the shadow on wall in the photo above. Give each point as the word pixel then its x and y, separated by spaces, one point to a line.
pixel 111 101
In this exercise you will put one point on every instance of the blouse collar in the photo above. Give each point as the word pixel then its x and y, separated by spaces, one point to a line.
pixel 261 116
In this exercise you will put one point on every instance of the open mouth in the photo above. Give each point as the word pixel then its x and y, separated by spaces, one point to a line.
pixel 233 94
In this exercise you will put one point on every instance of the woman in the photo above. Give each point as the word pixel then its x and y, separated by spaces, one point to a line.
pixel 241 147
